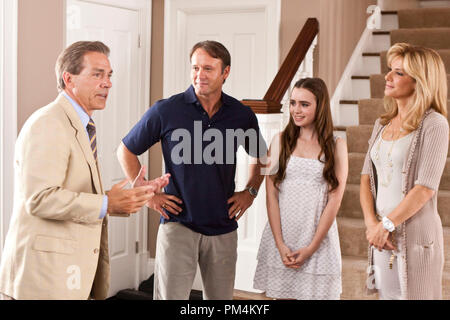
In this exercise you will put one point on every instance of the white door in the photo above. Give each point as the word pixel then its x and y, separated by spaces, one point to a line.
pixel 8 111
pixel 118 28
pixel 249 30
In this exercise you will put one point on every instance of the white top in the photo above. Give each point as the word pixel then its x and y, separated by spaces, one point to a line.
pixel 389 171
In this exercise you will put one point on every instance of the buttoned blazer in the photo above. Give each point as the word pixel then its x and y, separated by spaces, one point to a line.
pixel 56 246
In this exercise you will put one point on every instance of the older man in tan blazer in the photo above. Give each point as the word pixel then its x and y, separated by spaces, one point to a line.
pixel 57 244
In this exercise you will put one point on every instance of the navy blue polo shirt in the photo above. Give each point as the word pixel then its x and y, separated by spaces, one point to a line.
pixel 200 154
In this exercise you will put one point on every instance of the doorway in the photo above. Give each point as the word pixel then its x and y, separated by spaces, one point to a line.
pixel 124 26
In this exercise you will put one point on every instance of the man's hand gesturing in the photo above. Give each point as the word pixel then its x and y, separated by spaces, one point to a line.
pixel 122 201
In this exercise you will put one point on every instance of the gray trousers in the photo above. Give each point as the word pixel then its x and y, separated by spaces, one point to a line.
pixel 179 250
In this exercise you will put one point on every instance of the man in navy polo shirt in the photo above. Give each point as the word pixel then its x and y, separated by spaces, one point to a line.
pixel 200 131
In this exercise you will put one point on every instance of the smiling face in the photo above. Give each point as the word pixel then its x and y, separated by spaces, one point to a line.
pixel 90 88
pixel 302 107
pixel 399 85
pixel 206 73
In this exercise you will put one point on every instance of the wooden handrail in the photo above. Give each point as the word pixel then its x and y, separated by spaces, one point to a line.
pixel 271 102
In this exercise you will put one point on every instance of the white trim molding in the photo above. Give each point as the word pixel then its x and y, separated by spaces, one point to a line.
pixel 343 89
pixel 176 12
pixel 8 110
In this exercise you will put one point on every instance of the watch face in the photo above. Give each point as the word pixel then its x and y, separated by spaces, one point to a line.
pixel 388 224
pixel 253 191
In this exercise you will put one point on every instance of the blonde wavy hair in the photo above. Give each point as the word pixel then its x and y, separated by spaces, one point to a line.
pixel 425 66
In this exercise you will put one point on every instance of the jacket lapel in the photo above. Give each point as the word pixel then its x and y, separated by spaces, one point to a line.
pixel 82 139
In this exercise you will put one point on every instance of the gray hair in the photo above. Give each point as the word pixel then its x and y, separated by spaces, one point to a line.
pixel 71 59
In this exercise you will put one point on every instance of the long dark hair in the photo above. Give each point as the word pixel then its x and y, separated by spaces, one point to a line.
pixel 324 127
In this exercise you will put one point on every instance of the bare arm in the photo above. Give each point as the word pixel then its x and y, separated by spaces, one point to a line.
pixel 256 178
pixel 272 193
pixel 273 210
pixel 411 204
pixel 367 202
pixel 242 200
pixel 335 197
pixel 272 203
pixel 129 162
pixel 377 235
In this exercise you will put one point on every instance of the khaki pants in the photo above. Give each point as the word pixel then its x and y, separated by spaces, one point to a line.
pixel 179 249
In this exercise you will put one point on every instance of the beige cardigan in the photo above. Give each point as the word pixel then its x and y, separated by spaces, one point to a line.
pixel 422 233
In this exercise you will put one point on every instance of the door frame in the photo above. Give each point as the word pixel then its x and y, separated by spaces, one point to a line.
pixel 144 8
pixel 8 110
pixel 175 12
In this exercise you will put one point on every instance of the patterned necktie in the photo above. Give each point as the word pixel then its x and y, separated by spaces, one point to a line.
pixel 92 137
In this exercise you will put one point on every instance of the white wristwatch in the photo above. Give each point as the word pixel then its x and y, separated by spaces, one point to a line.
pixel 388 224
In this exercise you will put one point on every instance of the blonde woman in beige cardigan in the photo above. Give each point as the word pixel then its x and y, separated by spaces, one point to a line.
pixel 401 175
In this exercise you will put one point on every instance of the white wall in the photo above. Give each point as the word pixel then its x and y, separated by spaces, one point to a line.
pixel 8 109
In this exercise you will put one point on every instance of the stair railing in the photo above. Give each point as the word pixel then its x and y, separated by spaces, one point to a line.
pixel 272 101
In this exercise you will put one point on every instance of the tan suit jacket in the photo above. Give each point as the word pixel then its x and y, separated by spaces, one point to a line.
pixel 56 247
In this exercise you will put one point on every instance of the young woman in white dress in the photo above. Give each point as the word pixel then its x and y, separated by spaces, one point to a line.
pixel 299 255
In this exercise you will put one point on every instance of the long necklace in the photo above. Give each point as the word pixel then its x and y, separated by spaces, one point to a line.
pixel 388 166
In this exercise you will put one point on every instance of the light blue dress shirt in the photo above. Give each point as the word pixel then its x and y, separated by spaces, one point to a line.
pixel 84 117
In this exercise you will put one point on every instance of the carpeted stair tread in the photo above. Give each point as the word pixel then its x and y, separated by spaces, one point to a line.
pixel 370 110
pixel 352 237
pixel 435 38
pixel 355 163
pixel 358 137
pixel 424 18
pixel 350 205
pixel 377 84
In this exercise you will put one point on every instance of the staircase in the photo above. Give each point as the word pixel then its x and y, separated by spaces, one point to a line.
pixel 428 27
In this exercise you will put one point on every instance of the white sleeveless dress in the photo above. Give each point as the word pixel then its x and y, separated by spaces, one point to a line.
pixel 302 199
